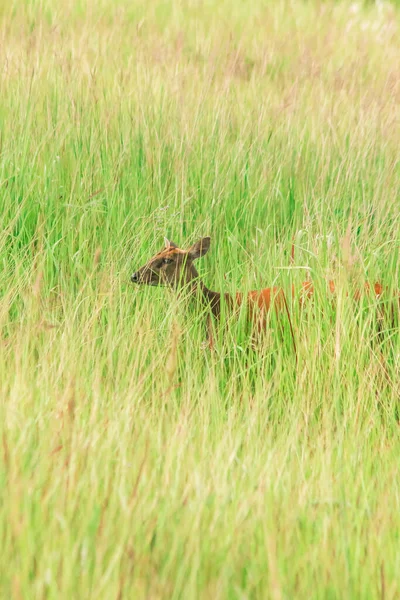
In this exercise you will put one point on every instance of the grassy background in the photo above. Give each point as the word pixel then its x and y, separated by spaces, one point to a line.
pixel 134 464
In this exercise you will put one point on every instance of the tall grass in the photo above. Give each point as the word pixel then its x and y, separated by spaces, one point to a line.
pixel 134 463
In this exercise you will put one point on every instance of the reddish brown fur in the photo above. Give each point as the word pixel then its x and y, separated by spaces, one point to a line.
pixel 259 303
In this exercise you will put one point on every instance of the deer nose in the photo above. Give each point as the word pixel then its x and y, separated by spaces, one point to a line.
pixel 135 278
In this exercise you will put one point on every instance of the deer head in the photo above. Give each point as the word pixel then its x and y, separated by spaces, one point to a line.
pixel 172 266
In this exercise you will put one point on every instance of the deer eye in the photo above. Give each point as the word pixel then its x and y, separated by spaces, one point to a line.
pixel 167 261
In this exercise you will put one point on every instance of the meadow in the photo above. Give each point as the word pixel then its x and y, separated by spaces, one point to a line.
pixel 134 462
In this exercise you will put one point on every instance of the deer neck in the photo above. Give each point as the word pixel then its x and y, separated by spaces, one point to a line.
pixel 209 298
pixel 197 289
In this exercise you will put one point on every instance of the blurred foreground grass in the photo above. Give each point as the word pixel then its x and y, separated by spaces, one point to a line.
pixel 134 464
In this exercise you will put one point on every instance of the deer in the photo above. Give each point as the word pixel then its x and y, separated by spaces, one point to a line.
pixel 175 268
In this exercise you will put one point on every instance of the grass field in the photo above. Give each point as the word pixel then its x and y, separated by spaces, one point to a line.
pixel 133 462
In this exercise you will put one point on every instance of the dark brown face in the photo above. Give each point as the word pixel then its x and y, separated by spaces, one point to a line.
pixel 172 266
pixel 167 267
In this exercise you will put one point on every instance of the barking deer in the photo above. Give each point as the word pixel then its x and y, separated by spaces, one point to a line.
pixel 175 268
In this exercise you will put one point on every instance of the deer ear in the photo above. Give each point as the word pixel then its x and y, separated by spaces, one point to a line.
pixel 200 248
pixel 169 244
